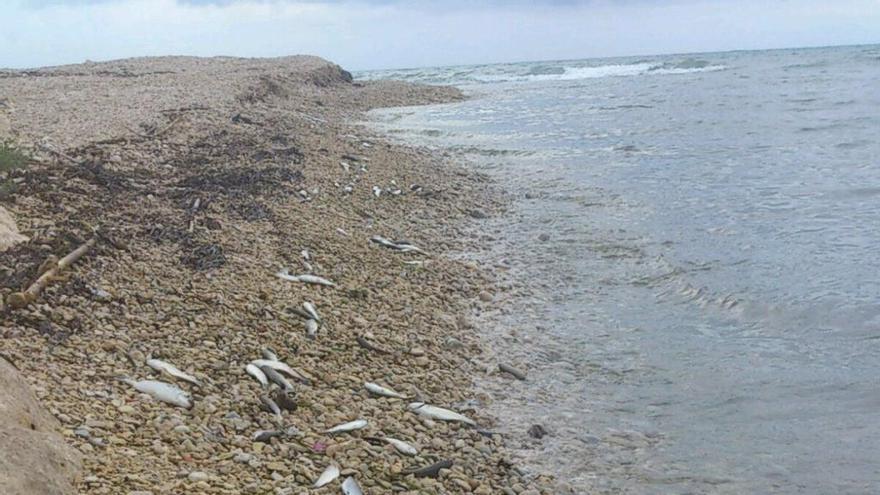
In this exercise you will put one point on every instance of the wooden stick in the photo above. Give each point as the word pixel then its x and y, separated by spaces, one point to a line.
pixel 21 299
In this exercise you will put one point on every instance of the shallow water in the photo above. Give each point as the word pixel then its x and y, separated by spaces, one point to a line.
pixel 705 315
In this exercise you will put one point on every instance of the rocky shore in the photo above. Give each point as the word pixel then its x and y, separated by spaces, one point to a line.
pixel 200 179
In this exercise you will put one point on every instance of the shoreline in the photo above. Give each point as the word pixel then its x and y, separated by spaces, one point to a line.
pixel 205 176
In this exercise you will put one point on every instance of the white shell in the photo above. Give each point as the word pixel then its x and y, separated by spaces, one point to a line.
pixel 329 474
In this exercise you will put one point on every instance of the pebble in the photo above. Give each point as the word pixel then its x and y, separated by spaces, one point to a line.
pixel 197 476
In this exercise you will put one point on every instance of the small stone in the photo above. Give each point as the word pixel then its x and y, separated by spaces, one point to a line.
pixel 417 351
pixel 197 476
pixel 537 431
pixel 544 237
pixel 243 458
pixel 478 214
pixel 485 296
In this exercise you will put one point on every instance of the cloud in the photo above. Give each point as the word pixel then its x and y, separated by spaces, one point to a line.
pixel 362 34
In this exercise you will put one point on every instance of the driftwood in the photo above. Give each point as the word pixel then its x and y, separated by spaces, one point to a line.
pixel 22 299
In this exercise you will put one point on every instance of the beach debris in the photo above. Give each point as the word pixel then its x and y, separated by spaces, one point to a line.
pixel 311 328
pixel 270 405
pixel 265 436
pixel 350 487
pixel 170 369
pixel 401 446
pixel 286 399
pixel 519 375
pixel 350 426
pixel 284 274
pixel 377 389
pixel 283 368
pixel 161 391
pixel 258 374
pixel 310 309
pixel 366 344
pixel 435 412
pixel 18 300
pixel 329 474
pixel 537 431
pixel 276 377
pixel 431 471
pixel 402 246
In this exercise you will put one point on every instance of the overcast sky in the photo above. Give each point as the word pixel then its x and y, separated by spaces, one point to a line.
pixel 367 34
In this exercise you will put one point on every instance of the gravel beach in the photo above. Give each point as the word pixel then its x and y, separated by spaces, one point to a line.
pixel 200 179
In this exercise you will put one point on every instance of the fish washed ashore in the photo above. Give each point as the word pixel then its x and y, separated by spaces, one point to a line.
pixel 223 193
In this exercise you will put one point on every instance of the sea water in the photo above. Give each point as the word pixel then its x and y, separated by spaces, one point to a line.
pixel 702 311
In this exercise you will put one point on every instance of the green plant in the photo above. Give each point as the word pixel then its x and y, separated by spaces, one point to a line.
pixel 11 157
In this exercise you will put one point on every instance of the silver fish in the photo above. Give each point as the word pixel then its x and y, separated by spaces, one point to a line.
pixel 276 378
pixel 402 246
pixel 162 391
pixel 351 487
pixel 258 374
pixel 305 254
pixel 311 328
pixel 305 278
pixel 401 446
pixel 439 413
pixel 329 474
pixel 271 405
pixel 269 354
pixel 310 309
pixel 265 436
pixel 163 367
pixel 282 367
pixel 380 390
pixel 350 426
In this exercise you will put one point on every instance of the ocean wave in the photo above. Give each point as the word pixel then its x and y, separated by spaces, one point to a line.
pixel 545 71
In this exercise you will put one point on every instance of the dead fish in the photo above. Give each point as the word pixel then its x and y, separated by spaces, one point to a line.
pixel 310 309
pixel 283 368
pixel 258 374
pixel 305 278
pixel 161 391
pixel 350 426
pixel 401 446
pixel 305 254
pixel 380 390
pixel 299 312
pixel 270 405
pixel 311 328
pixel 439 413
pixel 366 344
pixel 163 367
pixel 519 375
pixel 264 436
pixel 269 354
pixel 377 191
pixel 329 474
pixel 401 246
pixel 341 231
pixel 351 487
pixel 276 377
pixel 431 471
pixel 344 166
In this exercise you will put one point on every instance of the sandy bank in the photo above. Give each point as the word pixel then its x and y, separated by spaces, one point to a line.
pixel 203 177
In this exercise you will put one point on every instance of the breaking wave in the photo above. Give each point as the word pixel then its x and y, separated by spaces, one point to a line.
pixel 544 71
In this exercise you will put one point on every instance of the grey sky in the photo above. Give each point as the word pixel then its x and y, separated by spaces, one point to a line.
pixel 366 34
